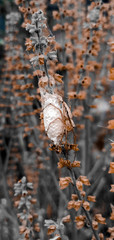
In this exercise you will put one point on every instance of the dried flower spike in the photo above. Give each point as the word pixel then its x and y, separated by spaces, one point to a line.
pixel 57 115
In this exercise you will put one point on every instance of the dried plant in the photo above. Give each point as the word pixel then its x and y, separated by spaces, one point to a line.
pixel 24 203
pixel 75 70
pixel 56 113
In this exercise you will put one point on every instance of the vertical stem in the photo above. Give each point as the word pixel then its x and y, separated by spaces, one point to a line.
pixel 87 146
pixel 41 52
pixel 79 197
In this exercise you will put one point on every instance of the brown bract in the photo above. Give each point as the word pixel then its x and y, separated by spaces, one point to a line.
pixel 111 124
pixel 66 219
pixel 51 229
pixel 111 169
pixel 100 219
pixel 64 182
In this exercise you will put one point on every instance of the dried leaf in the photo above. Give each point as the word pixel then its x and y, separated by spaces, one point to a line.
pixel 86 205
pixel 66 219
pixel 111 169
pixel 72 95
pixel 71 204
pixel 111 74
pixel 100 219
pixel 86 82
pixel 81 95
pixel 51 229
pixel 111 124
pixel 77 205
pixel 112 213
pixel 74 197
pixel 22 229
pixel 38 73
pixel 112 188
pixel 36 227
pixel 95 225
pixel 58 78
pixel 80 224
pixel 91 198
pixel 76 163
pixel 112 100
pixel 80 221
pixel 79 185
pixel 84 180
pixel 64 182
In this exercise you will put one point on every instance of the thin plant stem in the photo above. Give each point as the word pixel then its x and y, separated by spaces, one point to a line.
pixel 45 61
pixel 79 196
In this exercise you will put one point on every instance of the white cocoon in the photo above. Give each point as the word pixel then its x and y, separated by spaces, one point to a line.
pixel 53 116
pixel 57 115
